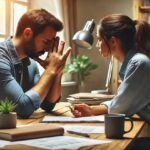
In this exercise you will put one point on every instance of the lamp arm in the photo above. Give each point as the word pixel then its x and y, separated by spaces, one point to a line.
pixel 89 26
pixel 109 74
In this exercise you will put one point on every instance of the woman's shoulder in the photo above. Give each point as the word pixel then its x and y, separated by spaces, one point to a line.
pixel 140 57
pixel 140 60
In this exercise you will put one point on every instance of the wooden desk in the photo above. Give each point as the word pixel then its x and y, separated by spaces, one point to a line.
pixel 61 109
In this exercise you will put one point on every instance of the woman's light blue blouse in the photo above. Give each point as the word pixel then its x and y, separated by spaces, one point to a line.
pixel 133 94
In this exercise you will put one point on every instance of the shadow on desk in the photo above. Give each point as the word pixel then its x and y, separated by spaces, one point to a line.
pixel 21 147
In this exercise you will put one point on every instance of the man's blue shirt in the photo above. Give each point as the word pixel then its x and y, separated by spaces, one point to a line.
pixel 17 86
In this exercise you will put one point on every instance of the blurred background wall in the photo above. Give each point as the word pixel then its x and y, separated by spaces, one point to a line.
pixel 87 10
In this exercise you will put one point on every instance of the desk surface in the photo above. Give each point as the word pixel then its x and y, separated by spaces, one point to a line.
pixel 61 109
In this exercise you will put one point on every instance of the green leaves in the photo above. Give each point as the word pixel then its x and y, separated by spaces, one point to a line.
pixel 81 65
pixel 6 106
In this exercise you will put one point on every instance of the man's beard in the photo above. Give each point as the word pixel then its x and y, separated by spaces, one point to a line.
pixel 30 49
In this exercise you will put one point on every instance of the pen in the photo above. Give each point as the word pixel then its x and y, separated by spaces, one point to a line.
pixel 78 133
pixel 69 106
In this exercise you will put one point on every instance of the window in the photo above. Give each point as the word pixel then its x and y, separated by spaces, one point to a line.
pixel 10 12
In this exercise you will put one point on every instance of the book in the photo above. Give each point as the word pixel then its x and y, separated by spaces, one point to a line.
pixel 32 131
pixel 88 98
pixel 88 101
pixel 92 96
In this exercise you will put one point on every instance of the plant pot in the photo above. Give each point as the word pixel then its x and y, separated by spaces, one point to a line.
pixel 82 86
pixel 8 121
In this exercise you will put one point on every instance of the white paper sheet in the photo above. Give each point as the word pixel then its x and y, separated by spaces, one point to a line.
pixel 84 129
pixel 3 143
pixel 48 118
pixel 62 142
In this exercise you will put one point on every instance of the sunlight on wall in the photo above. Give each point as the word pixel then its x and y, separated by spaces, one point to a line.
pixel 10 12
pixel 16 12
pixel 2 17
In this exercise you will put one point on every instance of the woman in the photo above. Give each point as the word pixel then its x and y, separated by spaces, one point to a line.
pixel 126 40
pixel 129 42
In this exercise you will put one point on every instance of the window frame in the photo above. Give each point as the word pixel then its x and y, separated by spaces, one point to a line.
pixel 9 22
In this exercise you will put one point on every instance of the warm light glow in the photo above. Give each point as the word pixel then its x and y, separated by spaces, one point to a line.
pixel 2 17
pixel 9 18
pixel 23 0
pixel 2 39
pixel 17 11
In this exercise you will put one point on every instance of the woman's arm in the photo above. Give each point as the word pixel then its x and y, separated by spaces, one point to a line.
pixel 79 110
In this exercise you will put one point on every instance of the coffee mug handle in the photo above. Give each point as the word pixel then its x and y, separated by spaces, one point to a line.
pixel 131 125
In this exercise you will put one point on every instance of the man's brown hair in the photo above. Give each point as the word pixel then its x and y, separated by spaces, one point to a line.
pixel 38 20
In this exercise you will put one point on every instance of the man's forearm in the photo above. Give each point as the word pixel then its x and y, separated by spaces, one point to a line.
pixel 45 83
pixel 55 91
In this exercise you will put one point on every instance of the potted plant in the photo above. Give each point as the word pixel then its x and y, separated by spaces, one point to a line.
pixel 7 116
pixel 81 65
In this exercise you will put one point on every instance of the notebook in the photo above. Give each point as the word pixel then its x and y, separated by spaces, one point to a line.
pixel 88 98
pixel 31 131
pixel 92 96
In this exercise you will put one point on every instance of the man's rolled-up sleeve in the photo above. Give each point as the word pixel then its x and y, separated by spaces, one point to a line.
pixel 46 104
pixel 27 102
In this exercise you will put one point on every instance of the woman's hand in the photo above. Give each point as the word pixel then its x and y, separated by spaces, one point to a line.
pixel 79 110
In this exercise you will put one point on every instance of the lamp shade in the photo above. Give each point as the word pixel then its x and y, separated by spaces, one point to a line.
pixel 84 38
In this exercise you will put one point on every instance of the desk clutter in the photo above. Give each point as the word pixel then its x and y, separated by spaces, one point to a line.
pixel 87 134
pixel 88 98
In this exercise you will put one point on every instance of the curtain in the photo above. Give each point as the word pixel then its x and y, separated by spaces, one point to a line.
pixel 66 10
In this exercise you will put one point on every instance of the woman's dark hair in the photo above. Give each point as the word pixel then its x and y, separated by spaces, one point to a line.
pixel 130 33
pixel 38 20
pixel 142 37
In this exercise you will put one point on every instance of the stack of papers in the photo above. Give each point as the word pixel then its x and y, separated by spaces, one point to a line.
pixel 88 98
pixel 48 118
pixel 83 129
pixel 57 143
